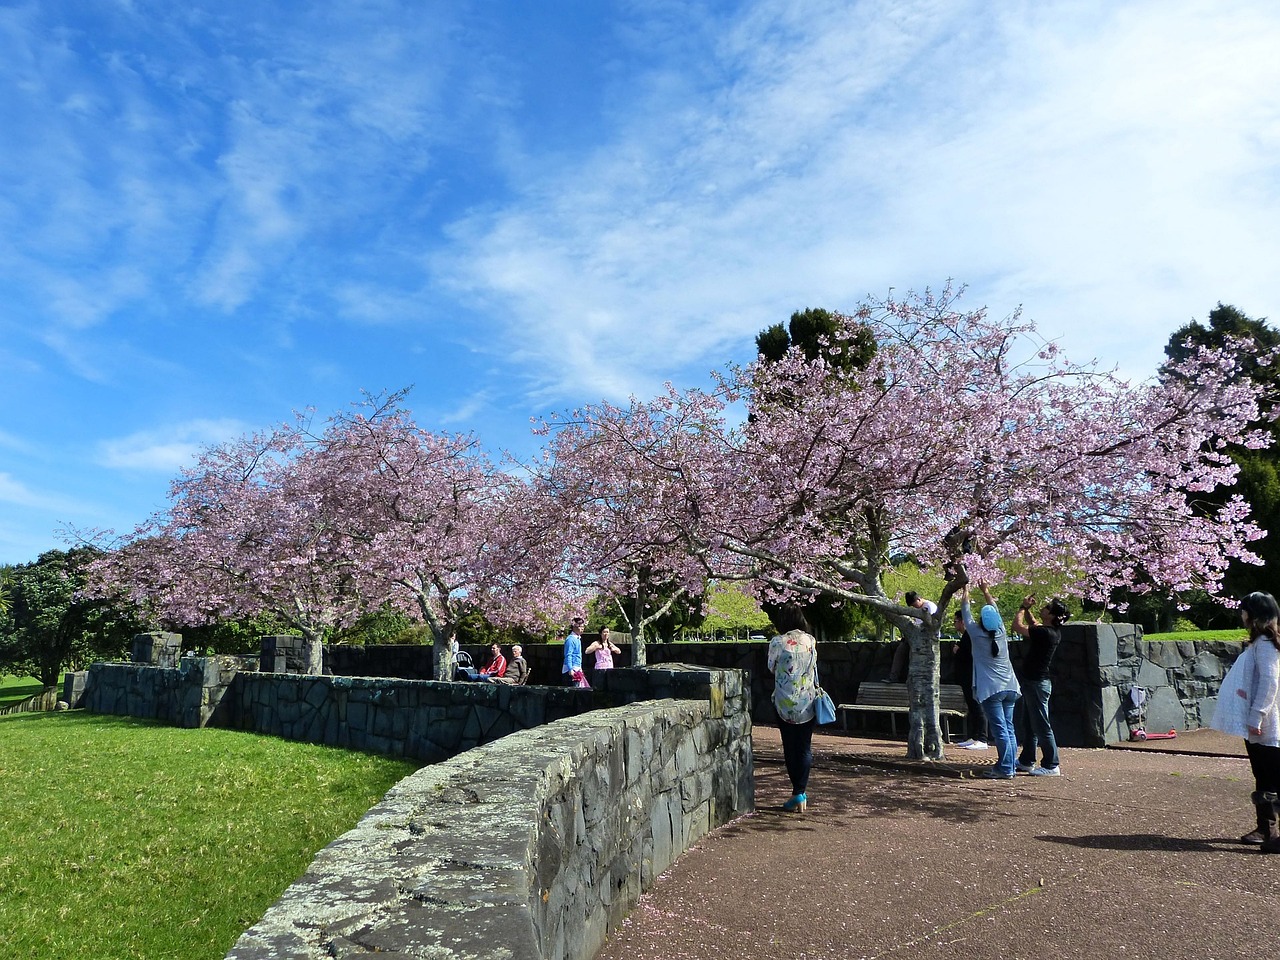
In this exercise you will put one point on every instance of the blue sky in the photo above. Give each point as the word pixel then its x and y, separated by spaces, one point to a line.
pixel 213 214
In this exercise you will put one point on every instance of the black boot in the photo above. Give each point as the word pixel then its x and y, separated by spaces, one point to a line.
pixel 1272 843
pixel 1266 819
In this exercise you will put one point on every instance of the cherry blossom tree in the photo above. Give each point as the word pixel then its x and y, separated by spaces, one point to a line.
pixel 246 532
pixel 319 526
pixel 963 442
pixel 438 527
pixel 622 509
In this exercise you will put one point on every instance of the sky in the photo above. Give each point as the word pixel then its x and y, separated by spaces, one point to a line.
pixel 215 214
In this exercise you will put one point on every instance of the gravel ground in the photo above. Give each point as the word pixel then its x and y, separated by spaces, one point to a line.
pixel 1131 853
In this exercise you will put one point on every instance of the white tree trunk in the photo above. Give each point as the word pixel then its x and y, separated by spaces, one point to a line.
pixel 924 737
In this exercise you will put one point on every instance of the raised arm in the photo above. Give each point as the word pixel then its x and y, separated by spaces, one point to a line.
pixel 1024 620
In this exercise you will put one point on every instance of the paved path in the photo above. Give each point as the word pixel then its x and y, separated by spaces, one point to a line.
pixel 1130 854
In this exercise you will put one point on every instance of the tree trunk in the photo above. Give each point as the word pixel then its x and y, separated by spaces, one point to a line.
pixel 924 737
pixel 638 657
pixel 442 641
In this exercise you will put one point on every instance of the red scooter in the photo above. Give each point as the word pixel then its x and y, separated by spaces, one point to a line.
pixel 1140 734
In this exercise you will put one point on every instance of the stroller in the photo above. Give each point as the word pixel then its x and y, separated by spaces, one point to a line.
pixel 462 664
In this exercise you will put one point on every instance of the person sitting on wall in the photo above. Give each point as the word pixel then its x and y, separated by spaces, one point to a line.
pixel 517 669
pixel 497 664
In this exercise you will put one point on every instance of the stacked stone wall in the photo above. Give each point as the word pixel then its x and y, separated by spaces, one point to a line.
pixel 536 845
pixel 1180 678
pixel 188 695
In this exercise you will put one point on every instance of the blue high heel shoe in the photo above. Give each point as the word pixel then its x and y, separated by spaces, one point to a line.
pixel 796 804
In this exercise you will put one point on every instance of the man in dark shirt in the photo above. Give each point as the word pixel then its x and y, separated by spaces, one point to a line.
pixel 1043 639
pixel 517 670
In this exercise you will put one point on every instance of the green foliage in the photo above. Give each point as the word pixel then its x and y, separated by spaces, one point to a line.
pixel 234 636
pixel 475 628
pixel 380 627
pixel 619 614
pixel 818 334
pixel 50 626
pixel 773 342
pixel 125 839
pixel 731 611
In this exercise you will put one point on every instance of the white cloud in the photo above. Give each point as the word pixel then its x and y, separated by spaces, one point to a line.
pixel 168 449
pixel 1112 167
pixel 14 491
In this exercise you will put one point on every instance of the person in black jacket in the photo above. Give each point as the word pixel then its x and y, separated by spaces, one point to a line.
pixel 1042 642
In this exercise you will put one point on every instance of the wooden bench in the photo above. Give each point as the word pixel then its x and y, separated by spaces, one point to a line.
pixel 893 699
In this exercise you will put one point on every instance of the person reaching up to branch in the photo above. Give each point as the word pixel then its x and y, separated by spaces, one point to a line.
pixel 994 684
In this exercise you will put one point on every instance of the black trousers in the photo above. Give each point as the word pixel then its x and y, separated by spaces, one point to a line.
pixel 797 751
pixel 1265 762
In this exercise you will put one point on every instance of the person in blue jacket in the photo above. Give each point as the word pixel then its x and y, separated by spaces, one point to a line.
pixel 572 668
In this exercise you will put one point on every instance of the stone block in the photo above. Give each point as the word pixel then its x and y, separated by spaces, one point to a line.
pixel 1166 655
pixel 1152 675
pixel 1104 639
pixel 1208 666
pixel 158 649
pixel 1110 721
pixel 1165 711
pixel 73 687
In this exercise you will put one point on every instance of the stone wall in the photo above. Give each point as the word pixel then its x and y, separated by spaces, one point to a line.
pixel 1096 666
pixel 1181 680
pixel 419 719
pixel 188 695
pixel 534 846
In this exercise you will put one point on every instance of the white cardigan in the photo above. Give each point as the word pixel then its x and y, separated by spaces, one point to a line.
pixel 1250 693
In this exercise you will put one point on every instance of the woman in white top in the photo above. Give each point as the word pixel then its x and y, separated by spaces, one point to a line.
pixel 793 658
pixel 1247 706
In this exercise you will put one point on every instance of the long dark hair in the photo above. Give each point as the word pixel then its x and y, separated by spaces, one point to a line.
pixel 1264 616
pixel 791 617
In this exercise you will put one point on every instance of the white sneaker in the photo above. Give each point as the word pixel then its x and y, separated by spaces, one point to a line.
pixel 1046 772
pixel 974 745
pixel 965 744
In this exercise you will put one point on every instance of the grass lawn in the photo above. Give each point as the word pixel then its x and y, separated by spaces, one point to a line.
pixel 1203 635
pixel 14 689
pixel 126 839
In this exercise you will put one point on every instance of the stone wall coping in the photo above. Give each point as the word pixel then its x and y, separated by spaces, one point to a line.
pixel 509 850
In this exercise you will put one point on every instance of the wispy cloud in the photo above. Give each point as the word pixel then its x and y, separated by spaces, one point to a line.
pixel 167 449
pixel 13 491
pixel 1086 160
pixel 202 158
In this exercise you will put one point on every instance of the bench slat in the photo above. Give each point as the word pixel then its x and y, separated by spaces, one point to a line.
pixel 895 698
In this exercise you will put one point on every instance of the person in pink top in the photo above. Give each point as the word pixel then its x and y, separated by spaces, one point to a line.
pixel 604 649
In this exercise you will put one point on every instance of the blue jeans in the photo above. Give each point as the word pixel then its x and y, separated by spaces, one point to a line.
pixel 1036 728
pixel 999 710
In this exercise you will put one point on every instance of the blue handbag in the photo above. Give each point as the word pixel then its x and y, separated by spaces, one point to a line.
pixel 824 709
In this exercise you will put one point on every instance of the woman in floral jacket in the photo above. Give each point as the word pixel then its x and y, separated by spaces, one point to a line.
pixel 793 658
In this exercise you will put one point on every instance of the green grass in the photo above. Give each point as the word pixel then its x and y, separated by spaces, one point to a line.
pixel 1205 635
pixel 14 689
pixel 126 839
